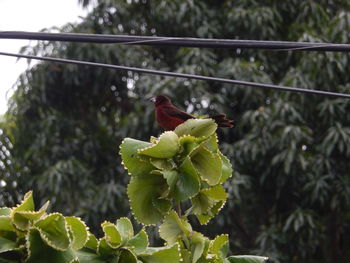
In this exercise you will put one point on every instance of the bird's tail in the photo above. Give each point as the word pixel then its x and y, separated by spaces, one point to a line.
pixel 222 121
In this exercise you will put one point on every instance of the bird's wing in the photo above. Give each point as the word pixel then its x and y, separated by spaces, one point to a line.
pixel 176 113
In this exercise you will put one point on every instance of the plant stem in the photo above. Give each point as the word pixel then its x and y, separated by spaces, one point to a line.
pixel 178 209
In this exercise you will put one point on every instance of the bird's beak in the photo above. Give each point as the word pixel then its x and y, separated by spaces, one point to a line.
pixel 152 100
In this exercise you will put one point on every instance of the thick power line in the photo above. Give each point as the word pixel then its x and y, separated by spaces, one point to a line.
pixel 175 41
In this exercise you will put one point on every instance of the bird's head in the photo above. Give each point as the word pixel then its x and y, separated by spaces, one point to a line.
pixel 159 100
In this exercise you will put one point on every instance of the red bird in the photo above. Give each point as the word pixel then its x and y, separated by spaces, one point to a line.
pixel 169 117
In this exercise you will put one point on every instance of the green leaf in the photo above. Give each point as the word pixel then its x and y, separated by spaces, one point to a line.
pixel 207 198
pixel 196 128
pixel 6 224
pixel 125 228
pixel 162 164
pixel 20 214
pixel 112 235
pixel 5 211
pixel 212 143
pixel 162 205
pixel 226 168
pixel 79 232
pixel 205 218
pixel 247 259
pixel 92 242
pixel 166 146
pixel 173 226
pixel 126 256
pixel 53 230
pixel 219 246
pixel 104 248
pixel 197 246
pixel 7 245
pixel 27 204
pixel 129 153
pixel 171 178
pixel 216 192
pixel 142 191
pixel 188 184
pixel 185 255
pixel 167 254
pixel 183 184
pixel 40 252
pixel 201 204
pixel 139 242
pixel 187 143
pixel 87 256
pixel 208 203
pixel 208 166
pixel 24 219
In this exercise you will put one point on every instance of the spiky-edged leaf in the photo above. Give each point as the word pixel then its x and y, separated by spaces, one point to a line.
pixel 142 191
pixel 197 128
pixel 162 205
pixel 219 246
pixel 226 168
pixel 27 203
pixel 206 217
pixel 112 235
pixel 79 232
pixel 208 165
pixel 201 204
pixel 173 226
pixel 126 256
pixel 104 248
pixel 26 206
pixel 125 229
pixel 208 202
pixel 139 242
pixel 40 252
pixel 92 242
pixel 183 183
pixel 167 254
pixel 53 230
pixel 197 246
pixel 24 219
pixel 162 164
pixel 216 192
pixel 87 256
pixel 129 153
pixel 165 147
pixel 188 143
pixel 188 184
pixel 212 143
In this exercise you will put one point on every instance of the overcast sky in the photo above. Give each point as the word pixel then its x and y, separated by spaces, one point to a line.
pixel 28 15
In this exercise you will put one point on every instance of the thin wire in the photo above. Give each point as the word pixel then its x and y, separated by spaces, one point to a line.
pixel 176 41
pixel 181 75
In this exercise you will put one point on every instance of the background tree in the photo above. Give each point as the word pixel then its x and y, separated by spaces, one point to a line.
pixel 290 199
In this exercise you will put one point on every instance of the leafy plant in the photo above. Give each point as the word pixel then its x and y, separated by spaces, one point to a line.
pixel 180 166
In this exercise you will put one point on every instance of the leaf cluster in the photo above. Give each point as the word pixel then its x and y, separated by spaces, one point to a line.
pixel 29 235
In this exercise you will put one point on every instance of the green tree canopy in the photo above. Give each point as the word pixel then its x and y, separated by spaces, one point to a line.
pixel 290 199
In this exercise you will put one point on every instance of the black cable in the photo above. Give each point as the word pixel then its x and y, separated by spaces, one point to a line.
pixel 181 75
pixel 176 41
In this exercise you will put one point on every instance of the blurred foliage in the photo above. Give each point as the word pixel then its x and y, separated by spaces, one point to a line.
pixel 291 198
